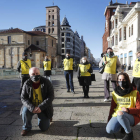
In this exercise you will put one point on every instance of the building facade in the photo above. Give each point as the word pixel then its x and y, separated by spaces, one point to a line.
pixel 14 42
pixel 125 33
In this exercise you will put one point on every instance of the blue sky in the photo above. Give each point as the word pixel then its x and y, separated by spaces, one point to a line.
pixel 85 16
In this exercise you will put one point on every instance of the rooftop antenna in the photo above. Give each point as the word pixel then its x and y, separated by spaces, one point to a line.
pixel 116 1
pixel 53 3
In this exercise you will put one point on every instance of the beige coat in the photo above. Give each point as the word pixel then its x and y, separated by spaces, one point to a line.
pixel 108 76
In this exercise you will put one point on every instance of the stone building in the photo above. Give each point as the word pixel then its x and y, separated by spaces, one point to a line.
pixel 13 42
pixel 125 33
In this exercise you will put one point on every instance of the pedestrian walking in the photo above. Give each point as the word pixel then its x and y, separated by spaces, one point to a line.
pixel 37 96
pixel 136 72
pixel 112 65
pixel 47 68
pixel 125 108
pixel 68 72
pixel 123 68
pixel 23 67
pixel 84 75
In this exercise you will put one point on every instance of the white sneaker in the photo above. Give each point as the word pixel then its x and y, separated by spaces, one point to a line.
pixel 106 100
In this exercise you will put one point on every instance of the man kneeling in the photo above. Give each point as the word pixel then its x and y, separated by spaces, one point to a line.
pixel 37 96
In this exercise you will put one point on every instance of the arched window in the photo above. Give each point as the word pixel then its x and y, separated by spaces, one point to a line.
pixel 49 17
pixel 53 23
pixel 49 30
pixel 52 30
pixel 48 23
pixel 129 31
pixel 132 29
pixel 52 16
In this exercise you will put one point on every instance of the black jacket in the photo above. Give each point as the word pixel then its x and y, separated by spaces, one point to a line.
pixel 47 95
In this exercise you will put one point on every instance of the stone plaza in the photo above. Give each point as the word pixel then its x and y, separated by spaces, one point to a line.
pixel 75 118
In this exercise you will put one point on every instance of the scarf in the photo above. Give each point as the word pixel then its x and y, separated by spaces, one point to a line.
pixel 119 91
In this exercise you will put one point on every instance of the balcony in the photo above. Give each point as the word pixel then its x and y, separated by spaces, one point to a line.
pixel 122 44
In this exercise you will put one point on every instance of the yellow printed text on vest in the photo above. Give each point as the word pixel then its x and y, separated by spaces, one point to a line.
pixel 136 69
pixel 84 70
pixel 111 65
pixel 68 64
pixel 127 101
pixel 47 65
pixel 25 68
pixel 37 96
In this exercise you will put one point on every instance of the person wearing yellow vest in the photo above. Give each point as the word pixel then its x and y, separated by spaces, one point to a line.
pixel 37 96
pixel 47 66
pixel 125 108
pixel 136 72
pixel 112 65
pixel 23 67
pixel 68 72
pixel 84 75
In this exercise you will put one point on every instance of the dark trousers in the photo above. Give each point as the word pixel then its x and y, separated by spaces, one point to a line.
pixel 69 80
pixel 106 88
pixel 23 79
pixel 86 90
pixel 137 83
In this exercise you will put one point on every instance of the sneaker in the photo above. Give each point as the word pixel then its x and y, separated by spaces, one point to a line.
pixel 106 100
pixel 73 92
pixel 128 136
pixel 68 90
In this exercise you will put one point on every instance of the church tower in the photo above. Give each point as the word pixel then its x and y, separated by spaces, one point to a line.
pixel 53 24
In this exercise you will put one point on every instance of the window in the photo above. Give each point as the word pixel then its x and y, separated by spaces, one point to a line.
pixel 49 17
pixel 53 23
pixel 113 41
pixel 62 34
pixel 48 23
pixel 44 30
pixel 62 39
pixel 129 31
pixel 37 42
pixel 52 43
pixel 62 45
pixel 68 34
pixel 116 22
pixel 120 35
pixel 63 51
pixel 28 42
pixel 113 24
pixel 52 10
pixel 116 40
pixel 49 30
pixel 52 30
pixel 132 29
pixel 52 16
pixel 124 33
pixel 68 39
pixel 9 39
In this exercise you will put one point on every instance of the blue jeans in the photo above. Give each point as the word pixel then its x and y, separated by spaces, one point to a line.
pixel 43 121
pixel 126 121
pixel 69 79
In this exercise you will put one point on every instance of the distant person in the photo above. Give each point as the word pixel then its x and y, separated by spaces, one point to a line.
pixel 23 67
pixel 84 75
pixel 125 108
pixel 136 72
pixel 37 100
pixel 68 71
pixel 122 68
pixel 47 68
pixel 112 64
pixel 129 67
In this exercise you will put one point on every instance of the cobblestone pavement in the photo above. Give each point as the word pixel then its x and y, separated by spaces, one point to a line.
pixel 75 118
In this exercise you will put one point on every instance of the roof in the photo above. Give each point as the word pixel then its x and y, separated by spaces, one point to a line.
pixel 3 30
pixel 52 7
pixel 65 22
pixel 36 33
pixel 16 30
pixel 34 48
pixel 77 33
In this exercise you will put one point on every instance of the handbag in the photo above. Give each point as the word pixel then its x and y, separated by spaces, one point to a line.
pixel 93 77
pixel 101 69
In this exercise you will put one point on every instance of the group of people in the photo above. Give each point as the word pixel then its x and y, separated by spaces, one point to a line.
pixel 37 92
pixel 125 104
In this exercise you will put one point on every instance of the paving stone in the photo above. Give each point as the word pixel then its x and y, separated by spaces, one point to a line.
pixel 7 121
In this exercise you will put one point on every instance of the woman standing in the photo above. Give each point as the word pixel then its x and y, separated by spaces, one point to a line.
pixel 84 75
pixel 125 107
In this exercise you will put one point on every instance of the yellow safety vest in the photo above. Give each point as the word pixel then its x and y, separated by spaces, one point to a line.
pixel 111 65
pixel 136 69
pixel 24 67
pixel 37 96
pixel 68 64
pixel 84 70
pixel 127 101
pixel 47 65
